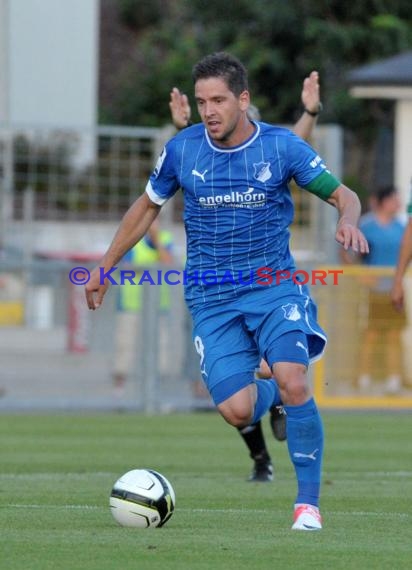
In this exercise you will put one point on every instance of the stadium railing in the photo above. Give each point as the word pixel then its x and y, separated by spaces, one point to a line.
pixel 367 341
pixel 41 370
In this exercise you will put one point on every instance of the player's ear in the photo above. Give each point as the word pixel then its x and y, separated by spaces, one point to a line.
pixel 244 100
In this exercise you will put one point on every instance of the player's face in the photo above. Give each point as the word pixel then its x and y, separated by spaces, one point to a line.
pixel 223 114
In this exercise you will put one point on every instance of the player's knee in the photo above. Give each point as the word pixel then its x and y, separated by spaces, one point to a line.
pixel 238 409
pixel 293 384
pixel 239 420
pixel 238 416
pixel 297 392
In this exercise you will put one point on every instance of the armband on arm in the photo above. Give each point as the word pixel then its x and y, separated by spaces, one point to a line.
pixel 323 185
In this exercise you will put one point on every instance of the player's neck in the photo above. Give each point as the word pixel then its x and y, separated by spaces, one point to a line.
pixel 243 131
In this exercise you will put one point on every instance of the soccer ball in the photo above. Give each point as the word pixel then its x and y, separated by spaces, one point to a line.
pixel 142 498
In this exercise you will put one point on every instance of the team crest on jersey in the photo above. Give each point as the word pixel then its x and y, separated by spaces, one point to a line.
pixel 262 171
pixel 291 312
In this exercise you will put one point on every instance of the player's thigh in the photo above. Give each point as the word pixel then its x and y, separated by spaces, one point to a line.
pixel 227 352
pixel 286 329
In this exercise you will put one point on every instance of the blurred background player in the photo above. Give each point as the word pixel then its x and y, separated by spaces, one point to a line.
pixel 155 247
pixel 382 335
pixel 252 435
pixel 404 258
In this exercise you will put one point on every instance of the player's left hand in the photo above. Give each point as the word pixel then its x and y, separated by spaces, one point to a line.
pixel 310 92
pixel 350 237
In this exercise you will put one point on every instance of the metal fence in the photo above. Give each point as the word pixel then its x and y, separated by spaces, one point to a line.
pixel 76 173
pixel 368 362
pixel 55 354
pixel 63 190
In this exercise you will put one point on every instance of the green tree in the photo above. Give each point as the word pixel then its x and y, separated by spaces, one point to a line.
pixel 280 42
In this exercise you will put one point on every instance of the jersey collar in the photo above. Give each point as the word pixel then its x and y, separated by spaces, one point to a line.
pixel 244 144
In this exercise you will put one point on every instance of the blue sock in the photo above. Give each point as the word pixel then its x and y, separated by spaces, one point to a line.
pixel 267 396
pixel 305 443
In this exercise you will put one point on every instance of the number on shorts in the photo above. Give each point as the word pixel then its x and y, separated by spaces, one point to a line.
pixel 200 349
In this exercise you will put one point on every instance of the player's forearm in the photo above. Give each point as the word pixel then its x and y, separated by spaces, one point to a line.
pixel 405 253
pixel 347 232
pixel 304 126
pixel 132 228
pixel 348 205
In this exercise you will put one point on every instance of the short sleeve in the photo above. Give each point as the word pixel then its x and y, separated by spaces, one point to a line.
pixel 304 164
pixel 163 182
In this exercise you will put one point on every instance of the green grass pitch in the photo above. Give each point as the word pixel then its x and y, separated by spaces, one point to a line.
pixel 57 472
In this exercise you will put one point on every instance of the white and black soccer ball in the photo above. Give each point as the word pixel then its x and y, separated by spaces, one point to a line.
pixel 142 498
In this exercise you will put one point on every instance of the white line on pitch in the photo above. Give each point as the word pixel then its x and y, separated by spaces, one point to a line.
pixel 213 511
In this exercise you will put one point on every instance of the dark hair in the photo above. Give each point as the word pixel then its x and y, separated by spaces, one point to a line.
pixel 381 193
pixel 225 66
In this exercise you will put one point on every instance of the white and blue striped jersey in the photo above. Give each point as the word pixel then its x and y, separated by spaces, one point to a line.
pixel 237 204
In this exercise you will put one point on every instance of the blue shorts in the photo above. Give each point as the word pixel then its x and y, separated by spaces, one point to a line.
pixel 232 336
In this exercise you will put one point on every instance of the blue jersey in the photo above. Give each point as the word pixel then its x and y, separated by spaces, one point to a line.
pixel 237 205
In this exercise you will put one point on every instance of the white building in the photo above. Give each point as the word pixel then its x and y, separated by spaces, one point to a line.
pixel 391 79
pixel 49 62
pixel 48 78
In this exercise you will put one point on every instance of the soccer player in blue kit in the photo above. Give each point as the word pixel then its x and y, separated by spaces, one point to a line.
pixel 253 435
pixel 234 175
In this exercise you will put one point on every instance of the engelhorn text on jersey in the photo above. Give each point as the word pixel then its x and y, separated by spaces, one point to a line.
pixel 250 198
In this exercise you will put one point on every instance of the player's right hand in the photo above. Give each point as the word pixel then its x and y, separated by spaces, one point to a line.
pixel 179 108
pixel 350 236
pixel 95 290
